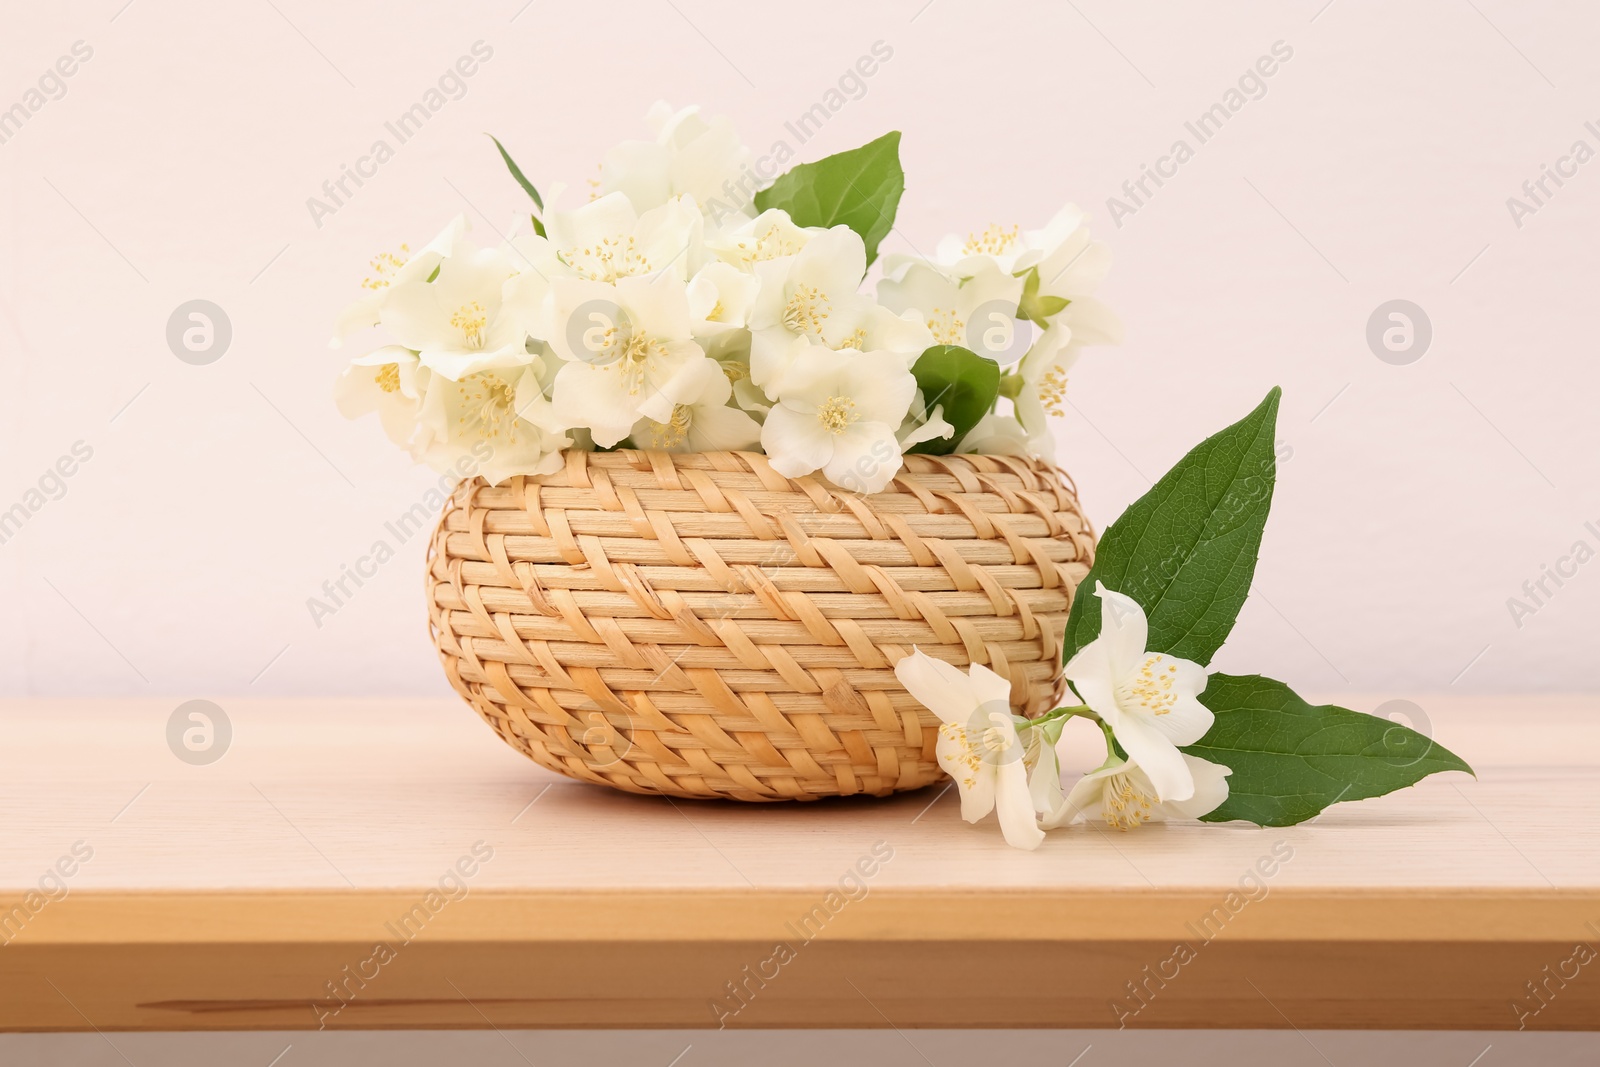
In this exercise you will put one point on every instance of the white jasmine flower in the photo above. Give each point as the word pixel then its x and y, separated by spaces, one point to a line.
pixel 1122 795
pixel 456 323
pixel 503 408
pixel 996 435
pixel 1070 265
pixel 770 235
pixel 869 327
pixel 1150 700
pixel 978 312
pixel 838 412
pixel 1063 241
pixel 731 350
pixel 1044 384
pixel 978 742
pixel 690 156
pixel 607 239
pixel 720 296
pixel 923 425
pixel 390 269
pixel 798 295
pixel 389 381
pixel 627 348
pixel 702 421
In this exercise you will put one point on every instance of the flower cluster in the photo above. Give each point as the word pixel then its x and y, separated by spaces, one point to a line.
pixel 1147 703
pixel 683 309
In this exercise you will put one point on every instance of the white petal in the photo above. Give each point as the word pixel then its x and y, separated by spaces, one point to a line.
pixel 833 262
pixel 1124 628
pixel 1044 780
pixel 1184 719
pixel 639 171
pixel 659 304
pixel 1014 806
pixel 796 444
pixel 597 398
pixel 413 314
pixel 865 458
pixel 961 759
pixel 611 216
pixel 941 687
pixel 1157 756
pixel 723 429
pixel 1210 789
pixel 879 384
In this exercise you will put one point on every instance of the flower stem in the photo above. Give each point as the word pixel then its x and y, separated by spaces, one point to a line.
pixel 1062 713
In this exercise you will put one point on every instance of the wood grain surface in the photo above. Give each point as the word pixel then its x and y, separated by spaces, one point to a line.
pixel 361 864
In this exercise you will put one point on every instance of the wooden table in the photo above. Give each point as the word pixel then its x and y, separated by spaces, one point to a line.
pixel 361 864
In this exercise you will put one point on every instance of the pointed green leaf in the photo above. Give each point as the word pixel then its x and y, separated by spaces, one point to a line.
pixel 1290 759
pixel 1186 550
pixel 963 382
pixel 522 179
pixel 860 189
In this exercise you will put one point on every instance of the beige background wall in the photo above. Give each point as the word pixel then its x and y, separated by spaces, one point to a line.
pixel 1374 164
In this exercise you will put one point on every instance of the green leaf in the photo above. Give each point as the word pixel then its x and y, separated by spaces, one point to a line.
pixel 516 172
pixel 860 189
pixel 1186 550
pixel 1035 307
pixel 522 180
pixel 961 380
pixel 1290 759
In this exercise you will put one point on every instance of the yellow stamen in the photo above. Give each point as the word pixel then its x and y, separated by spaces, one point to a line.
pixel 1123 804
pixel 489 403
pixel 806 310
pixel 857 339
pixel 1053 390
pixel 607 260
pixel 994 241
pixel 388 378
pixel 837 413
pixel 672 433
pixel 470 319
pixel 384 265
pixel 1153 692
pixel 947 327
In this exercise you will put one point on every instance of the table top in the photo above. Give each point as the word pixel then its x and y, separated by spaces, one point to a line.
pixel 156 893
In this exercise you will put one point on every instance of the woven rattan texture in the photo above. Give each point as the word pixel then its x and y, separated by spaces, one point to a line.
pixel 701 626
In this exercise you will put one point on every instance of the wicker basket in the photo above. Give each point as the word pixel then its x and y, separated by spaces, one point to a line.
pixel 700 626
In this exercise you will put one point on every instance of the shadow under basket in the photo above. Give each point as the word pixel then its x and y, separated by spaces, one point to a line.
pixel 698 625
